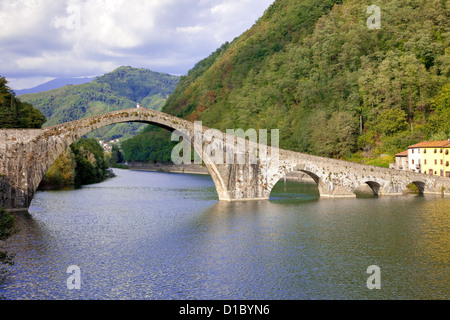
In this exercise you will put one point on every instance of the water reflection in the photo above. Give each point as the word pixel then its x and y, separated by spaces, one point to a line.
pixel 162 236
pixel 434 244
pixel 291 190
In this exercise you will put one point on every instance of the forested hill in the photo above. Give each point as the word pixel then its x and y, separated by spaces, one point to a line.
pixel 15 114
pixel 334 87
pixel 123 88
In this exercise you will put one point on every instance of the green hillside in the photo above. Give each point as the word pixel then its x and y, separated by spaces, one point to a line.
pixel 123 88
pixel 334 87
pixel 17 114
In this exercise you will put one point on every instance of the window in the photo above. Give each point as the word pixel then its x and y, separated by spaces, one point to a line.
pixel 425 161
pixel 435 150
pixel 412 151
pixel 446 152
pixel 447 164
pixel 442 161
pixel 412 161
pixel 435 161
pixel 441 150
pixel 424 150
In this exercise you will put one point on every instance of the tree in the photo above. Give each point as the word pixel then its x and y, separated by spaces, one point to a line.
pixel 91 165
pixel 439 121
pixel 16 114
pixel 61 173
pixel 84 162
pixel 6 230
pixel 391 121
pixel 339 142
pixel 116 156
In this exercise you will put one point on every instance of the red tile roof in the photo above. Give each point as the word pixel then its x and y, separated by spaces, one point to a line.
pixel 431 144
pixel 402 154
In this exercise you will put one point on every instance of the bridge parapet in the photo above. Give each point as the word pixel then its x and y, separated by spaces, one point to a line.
pixel 338 178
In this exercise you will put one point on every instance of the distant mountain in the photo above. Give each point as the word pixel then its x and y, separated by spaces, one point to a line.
pixel 54 84
pixel 121 89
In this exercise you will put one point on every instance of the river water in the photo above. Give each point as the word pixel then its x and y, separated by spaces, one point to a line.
pixel 151 235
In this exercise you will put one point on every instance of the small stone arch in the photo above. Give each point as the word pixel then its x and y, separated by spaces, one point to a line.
pixel 419 184
pixel 318 181
pixel 313 176
pixel 297 176
pixel 330 188
pixel 375 187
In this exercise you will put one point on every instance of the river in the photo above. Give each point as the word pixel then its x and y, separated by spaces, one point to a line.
pixel 152 235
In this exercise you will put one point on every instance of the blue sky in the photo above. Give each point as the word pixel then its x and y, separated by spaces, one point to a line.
pixel 45 39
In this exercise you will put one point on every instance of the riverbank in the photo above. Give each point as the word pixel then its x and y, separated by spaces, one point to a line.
pixel 172 168
pixel 64 185
pixel 198 169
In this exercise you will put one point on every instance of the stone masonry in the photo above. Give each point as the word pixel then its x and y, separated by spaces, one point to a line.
pixel 27 154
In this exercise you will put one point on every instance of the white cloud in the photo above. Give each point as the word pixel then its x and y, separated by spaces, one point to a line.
pixel 52 38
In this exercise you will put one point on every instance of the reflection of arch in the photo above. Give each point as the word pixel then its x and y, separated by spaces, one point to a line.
pixel 316 178
pixel 301 183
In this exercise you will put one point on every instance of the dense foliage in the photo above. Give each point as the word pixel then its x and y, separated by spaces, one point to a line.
pixel 334 87
pixel 151 145
pixel 15 113
pixel 91 163
pixel 121 89
pixel 6 230
pixel 84 162
pixel 115 158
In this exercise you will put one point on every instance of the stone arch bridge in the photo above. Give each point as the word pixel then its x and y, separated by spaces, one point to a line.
pixel 27 154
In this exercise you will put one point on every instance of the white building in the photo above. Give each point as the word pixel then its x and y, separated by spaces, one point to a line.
pixel 415 158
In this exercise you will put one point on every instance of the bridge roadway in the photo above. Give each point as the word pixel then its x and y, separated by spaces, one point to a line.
pixel 27 154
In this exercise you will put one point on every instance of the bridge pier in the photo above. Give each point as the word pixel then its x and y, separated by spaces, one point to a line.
pixel 15 192
pixel 12 199
pixel 245 182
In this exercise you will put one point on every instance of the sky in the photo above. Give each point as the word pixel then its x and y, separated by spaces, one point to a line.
pixel 41 40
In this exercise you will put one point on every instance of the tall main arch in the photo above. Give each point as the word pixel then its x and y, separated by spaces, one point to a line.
pixel 26 155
